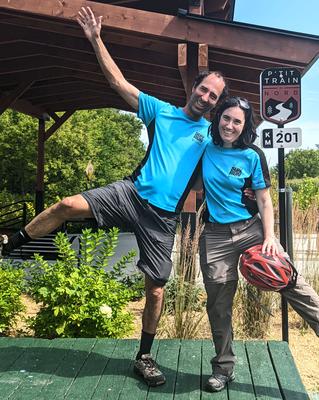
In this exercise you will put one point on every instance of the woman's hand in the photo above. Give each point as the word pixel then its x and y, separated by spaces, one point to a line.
pixel 270 246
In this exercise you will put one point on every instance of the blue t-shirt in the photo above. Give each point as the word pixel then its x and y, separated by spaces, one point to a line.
pixel 226 173
pixel 176 145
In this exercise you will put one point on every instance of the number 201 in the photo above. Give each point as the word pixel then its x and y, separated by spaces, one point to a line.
pixel 287 137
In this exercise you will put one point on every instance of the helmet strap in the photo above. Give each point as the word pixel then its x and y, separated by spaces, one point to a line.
pixel 293 279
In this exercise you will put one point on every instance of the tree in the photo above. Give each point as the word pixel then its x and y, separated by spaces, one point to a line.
pixel 301 163
pixel 18 152
pixel 109 138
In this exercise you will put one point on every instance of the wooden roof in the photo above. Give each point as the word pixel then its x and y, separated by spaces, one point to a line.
pixel 47 65
pixel 222 9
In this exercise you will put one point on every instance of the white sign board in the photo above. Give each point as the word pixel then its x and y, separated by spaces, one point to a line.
pixel 281 138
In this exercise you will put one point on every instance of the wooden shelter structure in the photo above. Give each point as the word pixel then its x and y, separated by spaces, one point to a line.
pixel 47 66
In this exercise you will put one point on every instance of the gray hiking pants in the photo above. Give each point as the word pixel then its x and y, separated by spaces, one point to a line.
pixel 220 248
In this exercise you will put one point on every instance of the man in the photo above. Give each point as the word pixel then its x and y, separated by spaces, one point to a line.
pixel 150 200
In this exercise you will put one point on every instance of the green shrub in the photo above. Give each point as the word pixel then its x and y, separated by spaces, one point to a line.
pixel 79 298
pixel 136 283
pixel 295 184
pixel 306 193
pixel 11 285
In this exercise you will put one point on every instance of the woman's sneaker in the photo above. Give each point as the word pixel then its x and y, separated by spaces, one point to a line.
pixel 217 382
pixel 147 368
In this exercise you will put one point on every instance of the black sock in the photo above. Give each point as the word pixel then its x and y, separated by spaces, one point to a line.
pixel 146 343
pixel 18 239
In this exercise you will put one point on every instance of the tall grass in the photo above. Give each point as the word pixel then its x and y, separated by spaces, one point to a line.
pixel 184 298
pixel 184 307
pixel 253 309
pixel 306 245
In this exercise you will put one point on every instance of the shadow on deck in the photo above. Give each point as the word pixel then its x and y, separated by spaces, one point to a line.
pixel 40 369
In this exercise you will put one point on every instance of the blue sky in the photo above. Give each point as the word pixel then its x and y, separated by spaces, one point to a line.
pixel 298 16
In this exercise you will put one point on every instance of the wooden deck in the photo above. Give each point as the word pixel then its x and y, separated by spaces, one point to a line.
pixel 39 369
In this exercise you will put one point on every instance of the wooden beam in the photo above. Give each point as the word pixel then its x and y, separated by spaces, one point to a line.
pixel 65 85
pixel 226 36
pixel 248 60
pixel 182 63
pixel 216 6
pixel 202 57
pixel 39 190
pixel 118 103
pixel 7 100
pixel 27 46
pixel 68 93
pixel 108 100
pixel 117 2
pixel 196 7
pixel 192 58
pixel 54 116
pixel 53 128
pixel 67 35
pixel 36 63
pixel 26 107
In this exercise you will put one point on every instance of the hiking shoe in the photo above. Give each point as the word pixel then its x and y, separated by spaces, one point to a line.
pixel 217 382
pixel 147 368
pixel 3 241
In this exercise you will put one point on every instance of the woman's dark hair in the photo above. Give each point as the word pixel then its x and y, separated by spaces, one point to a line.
pixel 248 134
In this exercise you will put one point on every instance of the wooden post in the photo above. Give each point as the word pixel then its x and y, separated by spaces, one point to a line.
pixel 196 7
pixel 192 59
pixel 39 191
pixel 44 135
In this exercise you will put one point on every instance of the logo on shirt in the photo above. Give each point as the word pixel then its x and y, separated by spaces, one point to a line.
pixel 235 171
pixel 198 137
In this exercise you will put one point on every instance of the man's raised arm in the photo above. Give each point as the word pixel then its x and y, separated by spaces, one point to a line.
pixel 92 29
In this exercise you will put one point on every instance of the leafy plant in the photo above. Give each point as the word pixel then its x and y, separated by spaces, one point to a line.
pixel 11 286
pixel 307 194
pixel 135 282
pixel 79 298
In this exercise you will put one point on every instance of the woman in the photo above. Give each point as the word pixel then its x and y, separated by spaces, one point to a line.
pixel 231 163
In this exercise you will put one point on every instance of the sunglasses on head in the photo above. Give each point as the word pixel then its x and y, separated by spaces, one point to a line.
pixel 242 102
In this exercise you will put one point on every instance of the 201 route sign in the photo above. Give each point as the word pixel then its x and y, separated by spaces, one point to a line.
pixel 280 93
pixel 281 138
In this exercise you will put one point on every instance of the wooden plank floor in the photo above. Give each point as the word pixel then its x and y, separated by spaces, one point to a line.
pixel 76 369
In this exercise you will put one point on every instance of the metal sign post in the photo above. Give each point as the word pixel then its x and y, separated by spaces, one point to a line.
pixel 280 103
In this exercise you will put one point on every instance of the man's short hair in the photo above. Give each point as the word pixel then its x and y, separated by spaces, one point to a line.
pixel 202 75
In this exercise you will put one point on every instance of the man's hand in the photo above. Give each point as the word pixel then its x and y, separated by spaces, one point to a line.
pixel 92 29
pixel 90 25
pixel 250 193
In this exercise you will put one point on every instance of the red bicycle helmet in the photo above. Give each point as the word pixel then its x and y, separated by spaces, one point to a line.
pixel 265 271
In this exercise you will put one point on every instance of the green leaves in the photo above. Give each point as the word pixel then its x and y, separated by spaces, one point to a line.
pixel 109 138
pixel 11 285
pixel 79 298
pixel 307 193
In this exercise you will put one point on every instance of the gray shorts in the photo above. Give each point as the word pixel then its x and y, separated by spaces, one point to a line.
pixel 119 204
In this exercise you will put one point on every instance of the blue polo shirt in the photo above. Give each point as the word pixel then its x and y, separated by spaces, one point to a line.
pixel 176 145
pixel 226 173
